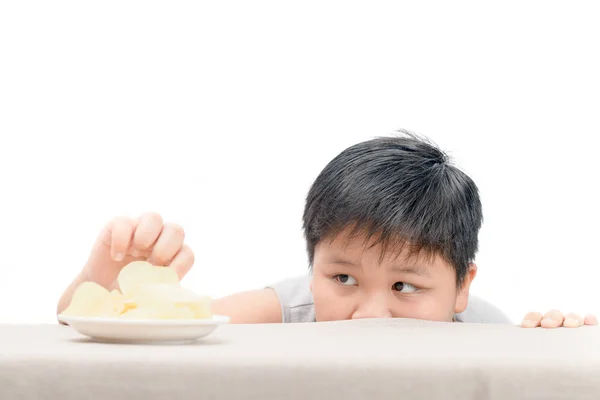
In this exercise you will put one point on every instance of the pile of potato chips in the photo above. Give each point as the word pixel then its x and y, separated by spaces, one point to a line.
pixel 147 292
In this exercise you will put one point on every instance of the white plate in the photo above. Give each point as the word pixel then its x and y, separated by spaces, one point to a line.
pixel 129 330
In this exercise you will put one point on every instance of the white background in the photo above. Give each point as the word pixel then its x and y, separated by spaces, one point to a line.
pixel 220 117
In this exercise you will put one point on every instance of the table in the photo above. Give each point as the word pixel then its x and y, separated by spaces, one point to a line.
pixel 364 359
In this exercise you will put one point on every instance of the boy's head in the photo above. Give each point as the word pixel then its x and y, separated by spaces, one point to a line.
pixel 391 229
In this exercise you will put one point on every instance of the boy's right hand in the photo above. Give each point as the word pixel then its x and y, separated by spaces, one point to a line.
pixel 124 240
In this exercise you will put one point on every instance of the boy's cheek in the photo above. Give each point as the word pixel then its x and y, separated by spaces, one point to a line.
pixel 329 311
pixel 328 306
pixel 462 300
pixel 426 308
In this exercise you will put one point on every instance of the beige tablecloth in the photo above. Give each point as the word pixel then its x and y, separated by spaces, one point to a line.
pixel 368 359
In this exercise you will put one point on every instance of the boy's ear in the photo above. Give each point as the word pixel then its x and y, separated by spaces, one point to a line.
pixel 462 297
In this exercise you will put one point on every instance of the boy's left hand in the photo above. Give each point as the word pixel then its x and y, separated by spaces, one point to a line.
pixel 556 319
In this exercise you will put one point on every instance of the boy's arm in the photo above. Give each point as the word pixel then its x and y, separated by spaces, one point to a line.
pixel 252 307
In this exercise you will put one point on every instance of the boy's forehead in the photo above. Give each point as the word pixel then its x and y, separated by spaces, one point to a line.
pixel 357 243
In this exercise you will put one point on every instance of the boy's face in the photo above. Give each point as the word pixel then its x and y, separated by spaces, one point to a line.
pixel 350 281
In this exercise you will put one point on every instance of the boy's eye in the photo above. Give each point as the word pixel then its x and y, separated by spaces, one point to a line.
pixel 345 279
pixel 404 287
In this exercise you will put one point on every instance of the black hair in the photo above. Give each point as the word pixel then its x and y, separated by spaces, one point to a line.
pixel 400 191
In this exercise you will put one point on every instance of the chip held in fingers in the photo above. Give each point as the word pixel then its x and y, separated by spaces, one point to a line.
pixel 140 273
pixel 147 292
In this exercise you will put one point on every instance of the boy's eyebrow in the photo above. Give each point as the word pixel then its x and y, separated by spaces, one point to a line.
pixel 412 269
pixel 407 269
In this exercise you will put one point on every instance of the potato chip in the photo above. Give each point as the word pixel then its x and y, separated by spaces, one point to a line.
pixel 138 273
pixel 164 296
pixel 165 312
pixel 147 292
pixel 93 300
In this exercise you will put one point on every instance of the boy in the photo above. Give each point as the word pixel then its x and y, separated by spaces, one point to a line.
pixel 391 229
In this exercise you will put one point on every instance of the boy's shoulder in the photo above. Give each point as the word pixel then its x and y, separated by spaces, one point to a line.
pixel 296 299
pixel 297 304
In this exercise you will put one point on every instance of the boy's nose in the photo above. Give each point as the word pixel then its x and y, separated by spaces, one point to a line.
pixel 374 307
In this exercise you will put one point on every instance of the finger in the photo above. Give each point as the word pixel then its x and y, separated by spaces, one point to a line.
pixel 532 320
pixel 121 231
pixel 573 320
pixel 147 232
pixel 183 261
pixel 590 319
pixel 552 319
pixel 168 244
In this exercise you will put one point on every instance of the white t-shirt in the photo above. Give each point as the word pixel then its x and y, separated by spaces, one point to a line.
pixel 297 304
